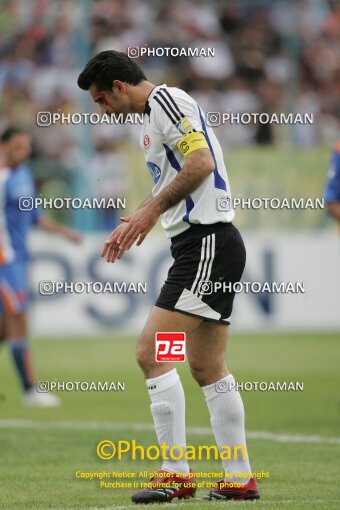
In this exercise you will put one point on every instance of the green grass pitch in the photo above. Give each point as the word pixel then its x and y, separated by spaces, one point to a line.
pixel 41 449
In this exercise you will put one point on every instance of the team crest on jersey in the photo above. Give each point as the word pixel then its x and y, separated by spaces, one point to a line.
pixel 154 170
pixel 147 141
pixel 184 126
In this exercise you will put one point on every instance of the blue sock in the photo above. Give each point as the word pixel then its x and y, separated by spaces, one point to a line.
pixel 19 350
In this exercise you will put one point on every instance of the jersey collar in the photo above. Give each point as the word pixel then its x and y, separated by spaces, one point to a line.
pixel 147 109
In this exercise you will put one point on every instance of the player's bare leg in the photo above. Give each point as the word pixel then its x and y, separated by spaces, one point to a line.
pixel 167 406
pixel 16 329
pixel 206 347
pixel 16 332
pixel 160 320
pixel 2 330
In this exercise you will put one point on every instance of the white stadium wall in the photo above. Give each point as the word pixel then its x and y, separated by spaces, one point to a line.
pixel 311 258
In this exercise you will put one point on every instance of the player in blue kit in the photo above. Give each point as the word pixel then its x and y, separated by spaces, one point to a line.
pixel 15 224
pixel 332 191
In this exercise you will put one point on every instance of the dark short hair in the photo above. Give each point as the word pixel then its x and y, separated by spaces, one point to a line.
pixel 108 66
pixel 10 132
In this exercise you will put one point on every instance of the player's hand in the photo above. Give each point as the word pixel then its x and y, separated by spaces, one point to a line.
pixel 73 236
pixel 135 227
pixel 111 247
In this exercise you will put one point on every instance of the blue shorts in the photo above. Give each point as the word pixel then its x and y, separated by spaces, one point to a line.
pixel 13 288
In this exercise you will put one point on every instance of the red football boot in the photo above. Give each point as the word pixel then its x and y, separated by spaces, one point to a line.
pixel 165 487
pixel 231 490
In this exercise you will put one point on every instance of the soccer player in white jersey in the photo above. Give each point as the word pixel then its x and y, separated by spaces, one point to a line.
pixel 190 188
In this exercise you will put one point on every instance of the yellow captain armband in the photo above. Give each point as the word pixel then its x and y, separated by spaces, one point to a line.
pixel 191 143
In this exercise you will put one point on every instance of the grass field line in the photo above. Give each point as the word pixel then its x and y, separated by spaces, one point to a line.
pixel 148 427
pixel 197 501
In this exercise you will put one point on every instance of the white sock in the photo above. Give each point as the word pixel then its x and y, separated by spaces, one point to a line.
pixel 227 421
pixel 168 412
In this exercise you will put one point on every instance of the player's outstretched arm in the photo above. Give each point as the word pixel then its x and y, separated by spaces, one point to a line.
pixel 334 209
pixel 197 167
pixel 53 226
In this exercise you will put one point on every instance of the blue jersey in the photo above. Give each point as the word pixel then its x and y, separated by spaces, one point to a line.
pixel 332 191
pixel 15 223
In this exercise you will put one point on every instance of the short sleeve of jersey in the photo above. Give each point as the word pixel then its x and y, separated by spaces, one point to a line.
pixel 176 115
pixel 37 213
pixel 332 190
pixel 21 194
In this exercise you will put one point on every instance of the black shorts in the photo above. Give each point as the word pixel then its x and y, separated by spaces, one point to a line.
pixel 208 260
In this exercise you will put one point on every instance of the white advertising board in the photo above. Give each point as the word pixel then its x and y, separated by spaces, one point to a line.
pixel 313 259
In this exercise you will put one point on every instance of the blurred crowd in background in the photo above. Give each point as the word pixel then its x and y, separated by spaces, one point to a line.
pixel 281 56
